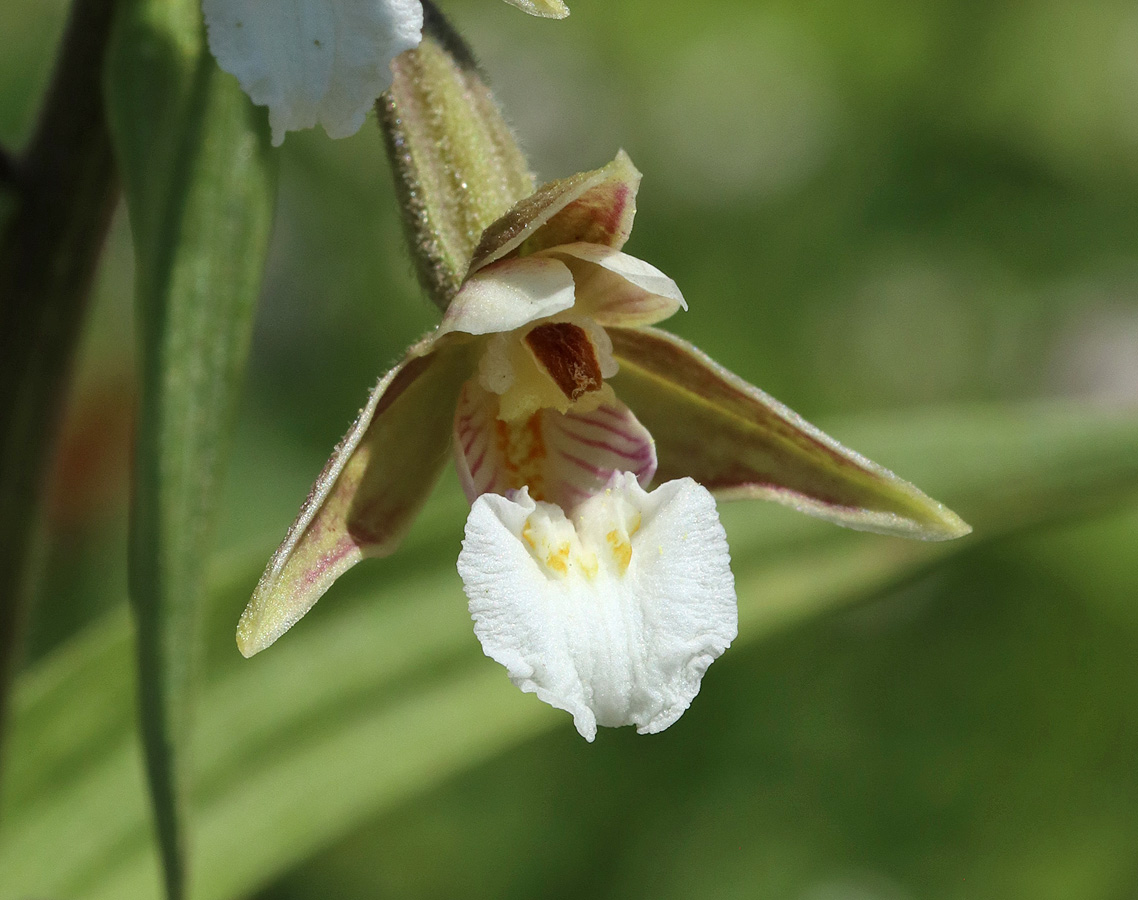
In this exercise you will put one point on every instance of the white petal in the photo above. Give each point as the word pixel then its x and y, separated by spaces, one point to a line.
pixel 509 294
pixel 614 616
pixel 617 289
pixel 312 61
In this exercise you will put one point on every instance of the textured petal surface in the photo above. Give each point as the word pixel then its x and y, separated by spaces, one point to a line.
pixel 562 458
pixel 737 441
pixel 368 494
pixel 613 616
pixel 312 61
pixel 614 288
pixel 548 9
pixel 510 294
pixel 593 207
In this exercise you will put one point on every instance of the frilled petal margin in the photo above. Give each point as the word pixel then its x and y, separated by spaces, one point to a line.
pixel 562 458
pixel 369 492
pixel 314 61
pixel 740 443
pixel 613 616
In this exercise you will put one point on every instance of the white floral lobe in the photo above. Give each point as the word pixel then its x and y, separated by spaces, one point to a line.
pixel 312 61
pixel 614 614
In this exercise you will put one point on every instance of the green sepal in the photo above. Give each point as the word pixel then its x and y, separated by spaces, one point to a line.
pixel 741 443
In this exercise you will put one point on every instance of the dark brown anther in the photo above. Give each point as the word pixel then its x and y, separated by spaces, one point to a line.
pixel 566 353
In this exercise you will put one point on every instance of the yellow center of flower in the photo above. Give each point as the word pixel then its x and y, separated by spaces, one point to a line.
pixel 559 363
pixel 522 451
pixel 599 540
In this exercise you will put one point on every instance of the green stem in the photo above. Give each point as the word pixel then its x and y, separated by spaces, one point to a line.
pixel 64 190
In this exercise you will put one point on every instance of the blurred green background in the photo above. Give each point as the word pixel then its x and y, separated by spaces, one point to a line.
pixel 881 212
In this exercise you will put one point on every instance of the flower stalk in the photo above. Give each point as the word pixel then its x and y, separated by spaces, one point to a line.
pixel 456 163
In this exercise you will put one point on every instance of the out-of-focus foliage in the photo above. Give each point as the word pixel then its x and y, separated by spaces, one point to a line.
pixel 286 745
pixel 869 205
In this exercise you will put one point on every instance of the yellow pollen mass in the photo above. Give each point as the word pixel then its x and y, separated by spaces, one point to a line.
pixel 621 549
pixel 558 560
pixel 592 546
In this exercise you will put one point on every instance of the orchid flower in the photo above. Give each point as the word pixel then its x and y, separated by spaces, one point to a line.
pixel 562 403
pixel 320 61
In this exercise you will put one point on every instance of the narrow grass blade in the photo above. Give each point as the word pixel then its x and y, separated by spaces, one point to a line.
pixel 199 185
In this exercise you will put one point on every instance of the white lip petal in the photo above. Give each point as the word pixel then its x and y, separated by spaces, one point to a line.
pixel 613 616
pixel 312 61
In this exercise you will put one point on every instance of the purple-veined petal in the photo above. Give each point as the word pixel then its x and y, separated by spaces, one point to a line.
pixel 510 294
pixel 586 448
pixel 369 492
pixel 314 61
pixel 547 9
pixel 614 288
pixel 593 207
pixel 613 614
pixel 739 442
pixel 562 457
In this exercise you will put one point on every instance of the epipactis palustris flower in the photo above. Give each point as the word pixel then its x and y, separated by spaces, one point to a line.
pixel 562 403
pixel 320 61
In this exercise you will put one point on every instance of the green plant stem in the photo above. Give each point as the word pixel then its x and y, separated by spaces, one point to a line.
pixel 64 190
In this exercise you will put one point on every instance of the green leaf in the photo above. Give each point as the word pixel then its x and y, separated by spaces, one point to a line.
pixel 199 183
pixel 385 694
